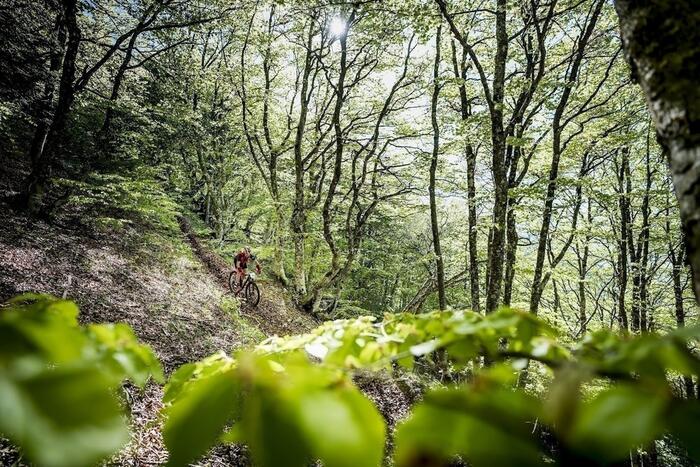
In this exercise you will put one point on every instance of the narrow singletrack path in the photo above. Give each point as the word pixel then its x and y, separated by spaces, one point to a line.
pixel 276 314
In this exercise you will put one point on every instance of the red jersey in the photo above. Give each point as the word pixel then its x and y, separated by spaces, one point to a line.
pixel 241 259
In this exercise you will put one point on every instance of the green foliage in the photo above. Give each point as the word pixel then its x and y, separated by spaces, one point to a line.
pixel 212 116
pixel 116 201
pixel 117 348
pixel 684 420
pixel 472 422
pixel 292 412
pixel 609 396
pixel 363 342
pixel 58 381
pixel 295 412
pixel 63 416
pixel 617 420
pixel 199 416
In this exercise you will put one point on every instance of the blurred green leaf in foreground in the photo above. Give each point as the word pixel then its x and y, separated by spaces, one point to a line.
pixel 292 399
pixel 58 381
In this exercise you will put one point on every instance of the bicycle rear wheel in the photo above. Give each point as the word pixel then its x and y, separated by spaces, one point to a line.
pixel 252 294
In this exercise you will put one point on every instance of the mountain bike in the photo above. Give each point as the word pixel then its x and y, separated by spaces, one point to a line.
pixel 248 291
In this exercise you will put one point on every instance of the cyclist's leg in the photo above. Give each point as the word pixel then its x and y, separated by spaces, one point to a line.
pixel 237 279
pixel 241 276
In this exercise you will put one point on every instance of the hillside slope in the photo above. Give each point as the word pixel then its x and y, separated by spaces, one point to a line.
pixel 124 253
pixel 120 266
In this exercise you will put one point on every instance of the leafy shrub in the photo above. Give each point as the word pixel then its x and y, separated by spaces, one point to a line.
pixel 292 400
pixel 58 381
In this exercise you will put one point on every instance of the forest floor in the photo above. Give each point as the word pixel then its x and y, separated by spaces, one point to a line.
pixel 170 286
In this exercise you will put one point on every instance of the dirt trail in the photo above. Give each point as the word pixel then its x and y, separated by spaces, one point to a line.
pixel 275 314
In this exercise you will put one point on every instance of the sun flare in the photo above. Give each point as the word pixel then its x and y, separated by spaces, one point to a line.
pixel 337 26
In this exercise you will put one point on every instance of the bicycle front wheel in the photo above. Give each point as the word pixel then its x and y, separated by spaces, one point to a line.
pixel 252 294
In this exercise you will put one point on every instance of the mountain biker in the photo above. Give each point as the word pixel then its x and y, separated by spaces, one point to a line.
pixel 240 263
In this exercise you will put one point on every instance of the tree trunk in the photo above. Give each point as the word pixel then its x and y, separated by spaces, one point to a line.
pixel 625 187
pixel 557 130
pixel 298 223
pixel 650 457
pixel 582 272
pixel 474 286
pixel 662 42
pixel 511 252
pixel 537 282
pixel 435 227
pixel 429 287
pixel 460 71
pixel 498 141
pixel 676 257
pixel 677 262
pixel 45 106
pixel 103 135
pixel 643 244
pixel 337 272
pixel 623 248
pixel 31 197
pixel 494 96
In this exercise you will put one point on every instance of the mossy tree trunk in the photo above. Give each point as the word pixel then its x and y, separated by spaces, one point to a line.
pixel 662 43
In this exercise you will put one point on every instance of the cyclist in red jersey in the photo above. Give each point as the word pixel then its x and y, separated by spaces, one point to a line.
pixel 240 263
